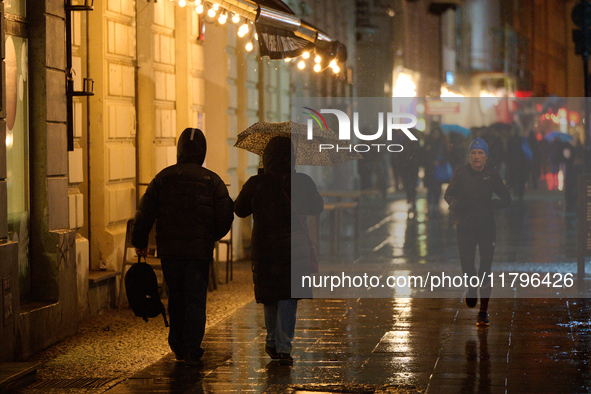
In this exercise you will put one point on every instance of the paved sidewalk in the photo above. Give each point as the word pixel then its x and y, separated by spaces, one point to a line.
pixel 116 344
pixel 373 345
pixel 392 345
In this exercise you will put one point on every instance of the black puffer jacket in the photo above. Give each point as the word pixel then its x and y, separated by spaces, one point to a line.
pixel 190 203
pixel 277 240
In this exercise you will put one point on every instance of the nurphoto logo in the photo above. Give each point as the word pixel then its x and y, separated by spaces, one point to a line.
pixel 390 119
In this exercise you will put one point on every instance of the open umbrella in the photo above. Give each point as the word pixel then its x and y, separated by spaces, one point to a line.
pixel 454 128
pixel 560 136
pixel 255 138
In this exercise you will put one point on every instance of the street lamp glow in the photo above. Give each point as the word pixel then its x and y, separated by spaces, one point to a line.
pixel 249 46
pixel 301 64
pixel 236 19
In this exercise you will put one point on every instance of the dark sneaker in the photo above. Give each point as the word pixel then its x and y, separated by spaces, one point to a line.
pixel 272 352
pixel 482 319
pixel 285 359
pixel 471 297
pixel 193 362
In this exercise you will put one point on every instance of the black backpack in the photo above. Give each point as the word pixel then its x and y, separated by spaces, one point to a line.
pixel 141 286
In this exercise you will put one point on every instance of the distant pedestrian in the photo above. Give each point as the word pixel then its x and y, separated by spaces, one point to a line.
pixel 470 199
pixel 436 152
pixel 280 244
pixel 407 163
pixel 519 157
pixel 534 173
pixel 457 149
pixel 574 160
pixel 192 210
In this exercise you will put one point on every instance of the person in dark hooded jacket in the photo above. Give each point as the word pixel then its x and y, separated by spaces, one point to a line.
pixel 192 210
pixel 280 245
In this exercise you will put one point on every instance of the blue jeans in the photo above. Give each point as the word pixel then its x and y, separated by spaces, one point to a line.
pixel 280 319
pixel 187 297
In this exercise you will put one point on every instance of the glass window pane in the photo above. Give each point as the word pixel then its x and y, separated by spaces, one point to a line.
pixel 17 152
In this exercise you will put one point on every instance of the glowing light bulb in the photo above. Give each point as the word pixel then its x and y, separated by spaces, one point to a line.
pixel 243 30
pixel 199 9
pixel 211 13
pixel 182 3
pixel 249 47
pixel 287 59
pixel 216 7
pixel 236 18
pixel 223 18
pixel 317 67
pixel 336 69
pixel 332 63
pixel 306 55
pixel 197 2
pixel 317 59
pixel 301 64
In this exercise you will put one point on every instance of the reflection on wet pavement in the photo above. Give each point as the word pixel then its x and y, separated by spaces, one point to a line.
pixel 401 345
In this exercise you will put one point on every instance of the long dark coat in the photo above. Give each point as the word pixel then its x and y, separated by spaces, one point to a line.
pixel 278 242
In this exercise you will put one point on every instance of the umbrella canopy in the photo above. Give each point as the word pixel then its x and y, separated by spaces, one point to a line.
pixel 307 152
pixel 560 136
pixel 454 128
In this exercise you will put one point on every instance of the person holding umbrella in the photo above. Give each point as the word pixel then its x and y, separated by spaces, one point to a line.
pixel 280 246
pixel 470 199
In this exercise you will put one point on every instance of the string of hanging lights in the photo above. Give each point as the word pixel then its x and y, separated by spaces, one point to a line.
pixel 249 16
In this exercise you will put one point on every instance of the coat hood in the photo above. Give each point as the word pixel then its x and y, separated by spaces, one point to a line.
pixel 279 156
pixel 191 147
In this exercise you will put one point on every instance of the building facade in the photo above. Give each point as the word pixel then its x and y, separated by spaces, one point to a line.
pixel 94 96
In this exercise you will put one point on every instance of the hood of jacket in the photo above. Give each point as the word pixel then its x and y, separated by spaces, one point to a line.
pixel 278 156
pixel 191 147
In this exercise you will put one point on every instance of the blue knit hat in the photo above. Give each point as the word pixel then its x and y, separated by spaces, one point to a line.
pixel 479 143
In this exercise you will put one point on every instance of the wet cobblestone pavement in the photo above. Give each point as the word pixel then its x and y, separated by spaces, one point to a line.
pixel 407 345
pixel 395 345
